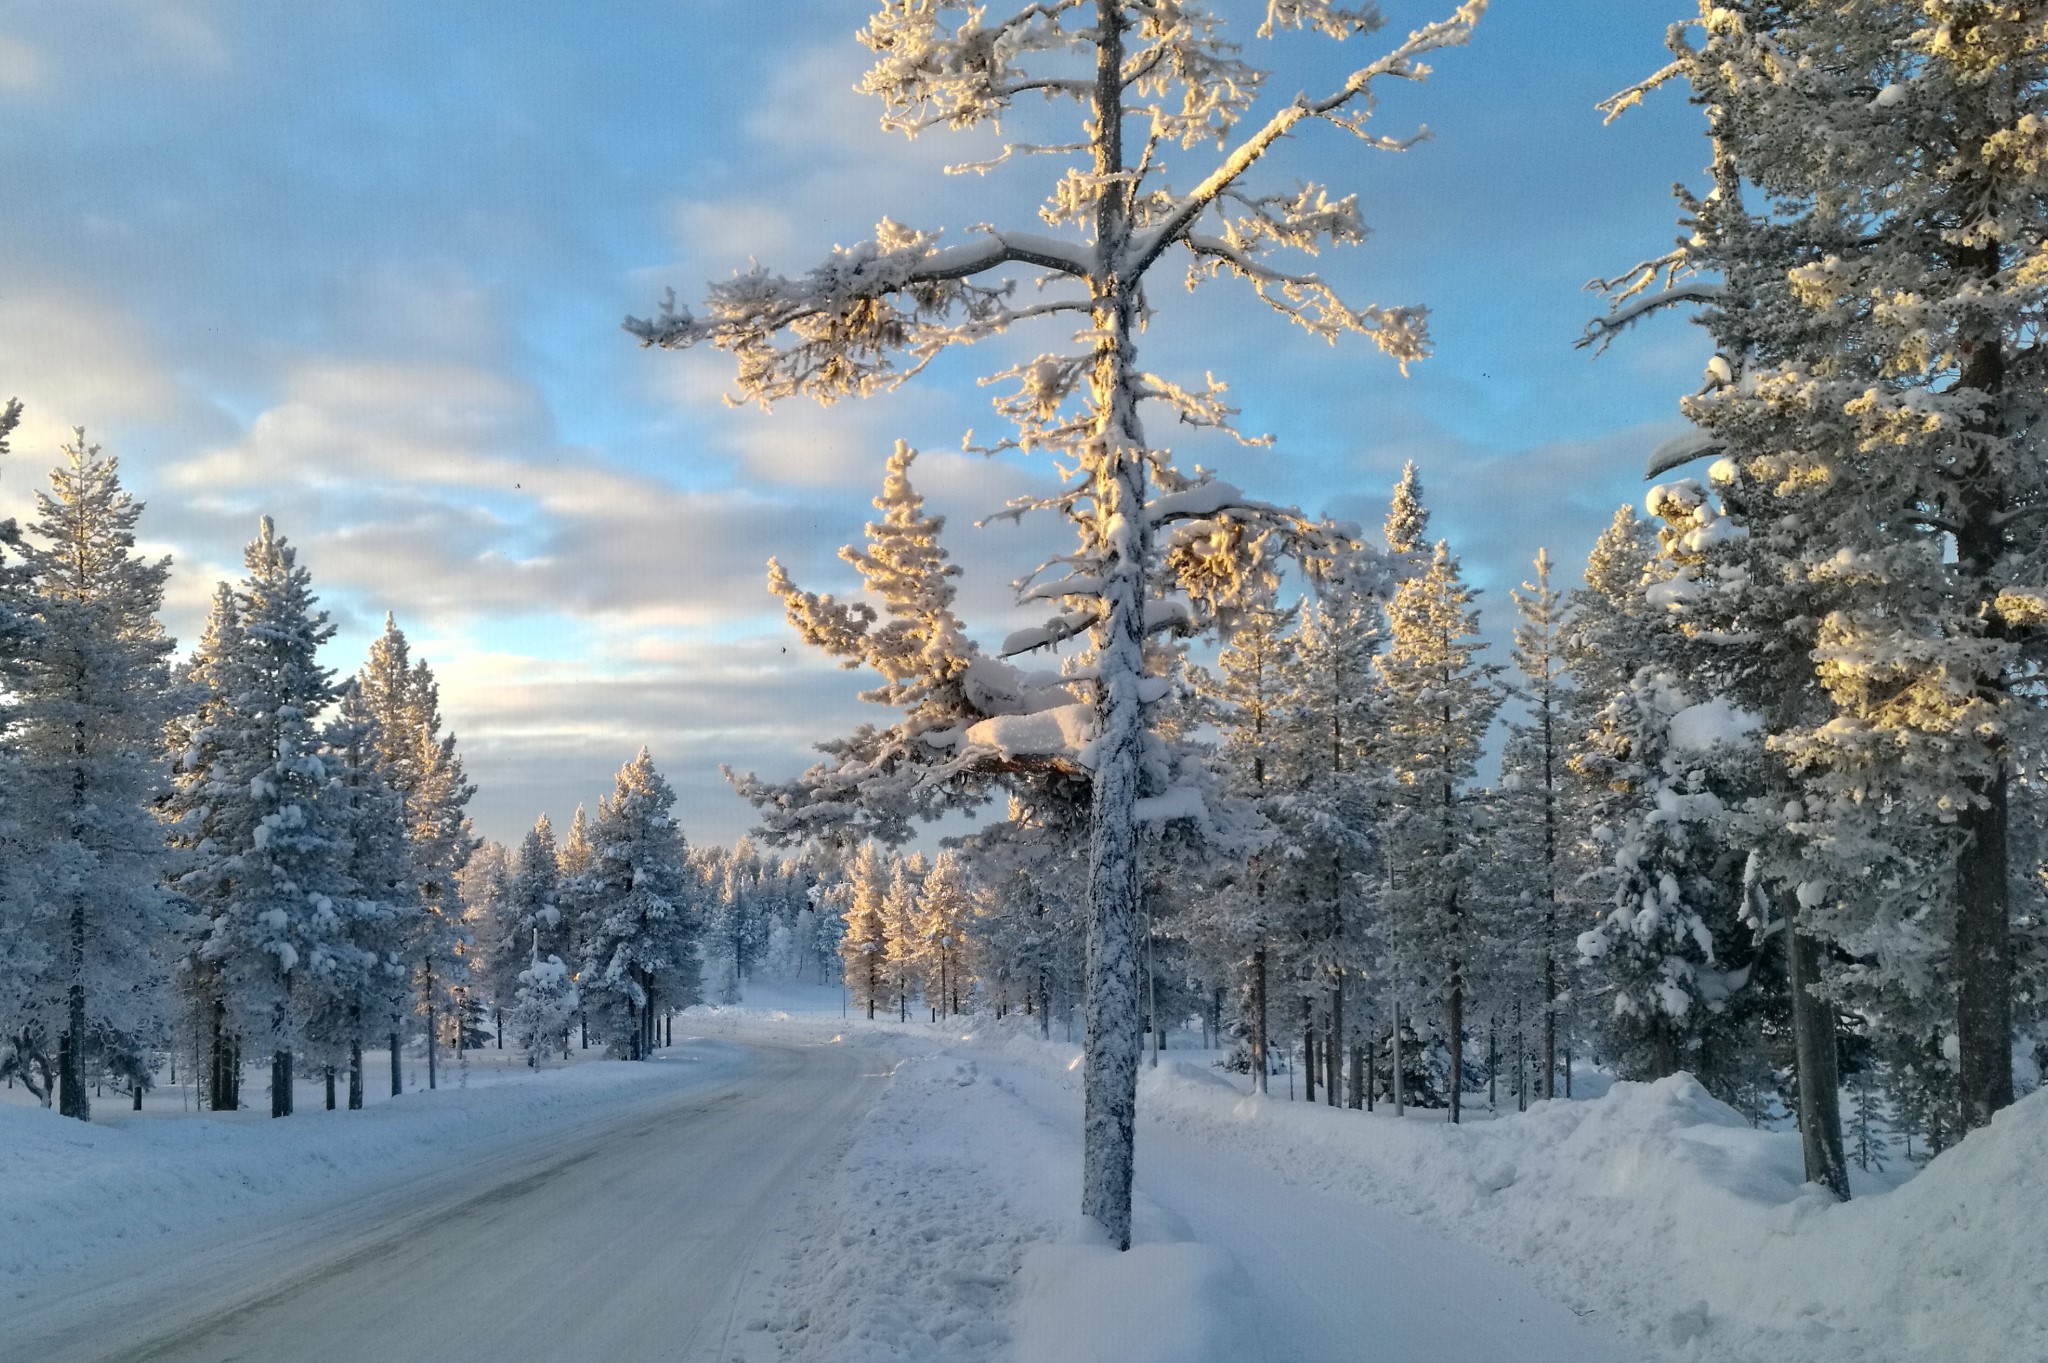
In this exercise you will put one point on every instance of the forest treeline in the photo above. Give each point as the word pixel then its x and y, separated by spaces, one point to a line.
pixel 238 861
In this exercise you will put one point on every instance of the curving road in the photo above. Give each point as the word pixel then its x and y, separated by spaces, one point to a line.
pixel 625 1237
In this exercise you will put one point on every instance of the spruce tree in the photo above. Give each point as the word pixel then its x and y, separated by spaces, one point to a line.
pixel 945 908
pixel 639 942
pixel 427 770
pixel 268 872
pixel 1534 804
pixel 1440 700
pixel 864 946
pixel 1884 309
pixel 90 706
pixel 1243 918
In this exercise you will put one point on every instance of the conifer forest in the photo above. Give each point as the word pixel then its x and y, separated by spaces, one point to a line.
pixel 1344 798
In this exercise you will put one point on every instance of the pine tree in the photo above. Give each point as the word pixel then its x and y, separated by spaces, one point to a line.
pixel 1534 802
pixel 1407 525
pixel 90 706
pixel 544 1003
pixel 1330 790
pixel 945 908
pixel 366 996
pixel 639 931
pixel 503 945
pixel 536 895
pixel 864 947
pixel 1155 546
pixel 1246 700
pixel 903 953
pixel 1911 476
pixel 427 770
pixel 1440 700
pixel 268 867
pixel 25 1044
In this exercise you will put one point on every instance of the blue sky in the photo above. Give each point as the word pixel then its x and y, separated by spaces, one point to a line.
pixel 362 267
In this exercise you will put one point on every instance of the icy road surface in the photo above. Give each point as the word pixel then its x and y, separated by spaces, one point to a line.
pixel 620 1236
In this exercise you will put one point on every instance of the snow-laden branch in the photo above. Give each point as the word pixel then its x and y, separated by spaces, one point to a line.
pixel 900 292
pixel 927 76
pixel 1401 63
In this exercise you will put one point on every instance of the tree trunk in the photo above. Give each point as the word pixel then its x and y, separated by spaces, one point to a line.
pixel 1372 1061
pixel 1258 1022
pixel 1333 1046
pixel 1983 956
pixel 498 1024
pixel 1492 1062
pixel 1813 1044
pixel 1983 932
pixel 1521 1063
pixel 330 1088
pixel 71 1099
pixel 355 1074
pixel 281 1083
pixel 1394 1084
pixel 397 1078
pixel 1308 1050
pixel 427 992
pixel 221 1095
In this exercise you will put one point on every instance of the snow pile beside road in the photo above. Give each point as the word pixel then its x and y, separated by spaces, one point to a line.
pixel 74 1194
pixel 912 1256
pixel 1659 1211
pixel 949 1234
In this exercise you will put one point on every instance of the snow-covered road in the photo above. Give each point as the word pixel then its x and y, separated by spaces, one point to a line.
pixel 614 1238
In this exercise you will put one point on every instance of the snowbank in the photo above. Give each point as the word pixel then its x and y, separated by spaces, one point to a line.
pixel 74 1195
pixel 1659 1211
pixel 911 1252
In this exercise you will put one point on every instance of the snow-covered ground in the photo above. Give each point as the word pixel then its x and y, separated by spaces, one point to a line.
pixel 1649 1222
pixel 801 1218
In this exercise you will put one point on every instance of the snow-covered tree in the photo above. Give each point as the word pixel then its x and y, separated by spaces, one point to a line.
pixel 1440 701
pixel 864 946
pixel 1246 700
pixel 639 929
pixel 495 957
pixel 1157 547
pixel 945 908
pixel 427 771
pixel 1532 806
pixel 268 864
pixel 899 915
pixel 544 1003
pixel 537 888
pixel 1029 938
pixel 1656 958
pixel 90 705
pixel 364 996
pixel 1330 790
pixel 1885 307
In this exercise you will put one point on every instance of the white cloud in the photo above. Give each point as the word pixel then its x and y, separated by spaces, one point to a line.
pixel 23 68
